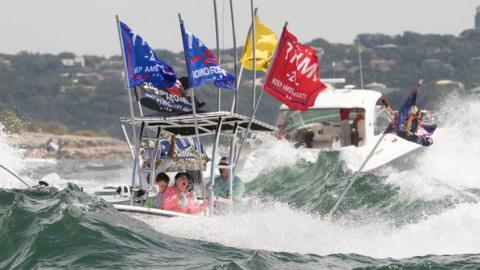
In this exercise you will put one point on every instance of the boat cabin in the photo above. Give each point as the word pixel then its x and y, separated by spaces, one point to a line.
pixel 339 118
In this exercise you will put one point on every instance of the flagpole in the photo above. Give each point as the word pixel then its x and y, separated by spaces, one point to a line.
pixel 235 96
pixel 258 103
pixel 241 66
pixel 360 64
pixel 254 92
pixel 219 105
pixel 194 106
pixel 126 78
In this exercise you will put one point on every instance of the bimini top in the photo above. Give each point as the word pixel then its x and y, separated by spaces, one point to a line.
pixel 344 98
pixel 184 125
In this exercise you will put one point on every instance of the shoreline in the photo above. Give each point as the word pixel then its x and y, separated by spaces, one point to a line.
pixel 69 146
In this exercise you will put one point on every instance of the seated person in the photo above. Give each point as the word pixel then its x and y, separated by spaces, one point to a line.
pixel 178 199
pixel 222 185
pixel 281 133
pixel 386 106
pixel 358 128
pixel 162 182
pixel 414 131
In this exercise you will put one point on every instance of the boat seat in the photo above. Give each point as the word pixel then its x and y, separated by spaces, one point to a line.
pixel 324 135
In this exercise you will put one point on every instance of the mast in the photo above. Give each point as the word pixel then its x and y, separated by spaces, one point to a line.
pixel 132 114
pixel 135 158
pixel 252 117
pixel 235 60
pixel 254 92
pixel 219 99
pixel 360 64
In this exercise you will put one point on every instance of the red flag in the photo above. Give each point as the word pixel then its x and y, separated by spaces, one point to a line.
pixel 177 89
pixel 294 78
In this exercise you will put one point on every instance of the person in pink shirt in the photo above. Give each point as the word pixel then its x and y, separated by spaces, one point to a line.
pixel 178 199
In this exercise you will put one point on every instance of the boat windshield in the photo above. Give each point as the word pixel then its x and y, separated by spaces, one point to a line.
pixel 382 119
pixel 295 119
pixel 323 128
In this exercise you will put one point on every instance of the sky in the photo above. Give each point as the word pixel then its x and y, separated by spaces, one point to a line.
pixel 88 26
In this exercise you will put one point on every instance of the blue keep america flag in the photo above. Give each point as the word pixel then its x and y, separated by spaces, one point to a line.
pixel 142 65
pixel 202 64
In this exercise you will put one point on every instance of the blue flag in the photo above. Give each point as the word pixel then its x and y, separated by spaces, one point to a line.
pixel 142 65
pixel 202 64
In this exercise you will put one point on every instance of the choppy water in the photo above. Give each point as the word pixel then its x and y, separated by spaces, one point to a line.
pixel 423 218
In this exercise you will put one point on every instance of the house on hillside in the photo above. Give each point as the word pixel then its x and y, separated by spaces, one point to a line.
pixel 382 64
pixel 6 62
pixel 111 74
pixel 445 87
pixel 75 61
pixel 437 66
pixel 387 46
pixel 377 86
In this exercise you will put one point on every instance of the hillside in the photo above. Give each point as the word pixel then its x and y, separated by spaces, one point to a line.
pixel 87 92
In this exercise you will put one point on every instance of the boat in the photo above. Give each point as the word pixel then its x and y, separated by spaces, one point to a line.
pixel 155 131
pixel 348 120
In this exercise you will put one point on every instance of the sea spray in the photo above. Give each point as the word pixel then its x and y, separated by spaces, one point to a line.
pixel 10 158
pixel 429 209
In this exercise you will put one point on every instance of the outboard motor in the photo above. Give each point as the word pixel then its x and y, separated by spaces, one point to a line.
pixel 124 191
pixel 50 188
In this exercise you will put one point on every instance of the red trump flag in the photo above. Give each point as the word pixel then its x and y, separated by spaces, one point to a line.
pixel 294 77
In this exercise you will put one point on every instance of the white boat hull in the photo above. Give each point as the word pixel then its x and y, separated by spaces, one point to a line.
pixel 150 211
pixel 390 149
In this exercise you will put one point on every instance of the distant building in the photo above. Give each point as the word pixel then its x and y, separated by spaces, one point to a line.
pixel 477 18
pixel 111 74
pixel 446 86
pixel 387 46
pixel 382 64
pixel 76 61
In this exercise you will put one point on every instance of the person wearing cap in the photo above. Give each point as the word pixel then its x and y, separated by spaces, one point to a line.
pixel 222 185
pixel 178 199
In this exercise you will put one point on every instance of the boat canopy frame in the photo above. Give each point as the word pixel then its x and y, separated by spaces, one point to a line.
pixel 209 123
pixel 184 125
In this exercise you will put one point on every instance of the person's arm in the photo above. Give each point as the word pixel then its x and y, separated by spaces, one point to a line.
pixel 194 208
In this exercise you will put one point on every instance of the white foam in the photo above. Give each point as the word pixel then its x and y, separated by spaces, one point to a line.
pixel 263 154
pixel 444 169
pixel 11 158
pixel 454 157
pixel 451 163
pixel 280 228
pixel 273 153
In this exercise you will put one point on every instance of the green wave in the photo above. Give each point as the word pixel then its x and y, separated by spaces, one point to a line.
pixel 316 187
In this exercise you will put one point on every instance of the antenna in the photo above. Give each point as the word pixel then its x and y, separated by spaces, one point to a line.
pixel 360 64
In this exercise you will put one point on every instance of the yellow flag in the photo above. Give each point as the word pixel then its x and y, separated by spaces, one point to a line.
pixel 265 42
